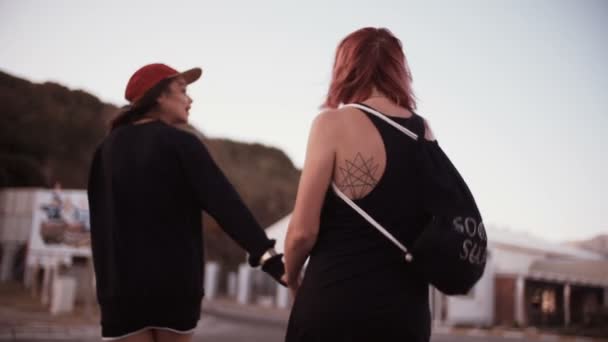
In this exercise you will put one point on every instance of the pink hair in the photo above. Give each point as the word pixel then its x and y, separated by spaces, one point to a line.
pixel 368 58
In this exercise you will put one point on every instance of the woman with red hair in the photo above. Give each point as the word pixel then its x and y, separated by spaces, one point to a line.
pixel 357 286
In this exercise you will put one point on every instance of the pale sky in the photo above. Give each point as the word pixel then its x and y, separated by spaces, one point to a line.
pixel 514 90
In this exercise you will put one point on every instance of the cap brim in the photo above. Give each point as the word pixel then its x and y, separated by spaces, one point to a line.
pixel 191 75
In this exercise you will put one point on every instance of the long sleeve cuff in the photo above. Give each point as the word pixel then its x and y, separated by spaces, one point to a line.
pixel 254 257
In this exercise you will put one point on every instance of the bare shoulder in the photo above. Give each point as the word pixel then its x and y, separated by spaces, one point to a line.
pixel 346 112
pixel 325 122
pixel 326 117
pixel 335 117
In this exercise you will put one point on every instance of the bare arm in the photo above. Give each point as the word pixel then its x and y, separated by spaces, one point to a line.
pixel 314 182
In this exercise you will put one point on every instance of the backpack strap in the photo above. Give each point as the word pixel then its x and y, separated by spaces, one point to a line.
pixel 374 223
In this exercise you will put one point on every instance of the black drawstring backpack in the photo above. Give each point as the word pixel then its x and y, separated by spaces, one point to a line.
pixel 450 253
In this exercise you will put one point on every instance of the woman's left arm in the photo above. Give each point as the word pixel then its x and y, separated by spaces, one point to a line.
pixel 216 195
pixel 314 182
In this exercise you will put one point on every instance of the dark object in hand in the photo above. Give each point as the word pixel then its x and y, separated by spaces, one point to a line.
pixel 275 268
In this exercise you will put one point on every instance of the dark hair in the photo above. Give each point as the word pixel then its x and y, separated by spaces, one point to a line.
pixel 367 58
pixel 137 110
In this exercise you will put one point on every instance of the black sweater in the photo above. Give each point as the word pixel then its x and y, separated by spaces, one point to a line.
pixel 147 187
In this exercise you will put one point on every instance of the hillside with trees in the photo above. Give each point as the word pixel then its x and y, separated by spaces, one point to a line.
pixel 48 134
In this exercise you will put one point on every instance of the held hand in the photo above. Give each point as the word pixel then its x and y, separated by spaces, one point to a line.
pixel 275 268
pixel 293 289
pixel 292 285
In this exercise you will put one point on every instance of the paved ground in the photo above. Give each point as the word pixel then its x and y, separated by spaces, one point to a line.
pixel 224 329
pixel 23 318
pixel 230 330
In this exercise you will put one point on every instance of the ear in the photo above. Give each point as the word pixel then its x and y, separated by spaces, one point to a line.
pixel 162 98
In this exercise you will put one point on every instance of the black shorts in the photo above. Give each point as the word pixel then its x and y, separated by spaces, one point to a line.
pixel 125 316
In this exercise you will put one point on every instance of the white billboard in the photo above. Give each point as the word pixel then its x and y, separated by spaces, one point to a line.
pixel 60 224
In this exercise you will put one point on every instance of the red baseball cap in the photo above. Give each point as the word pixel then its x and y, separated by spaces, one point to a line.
pixel 149 75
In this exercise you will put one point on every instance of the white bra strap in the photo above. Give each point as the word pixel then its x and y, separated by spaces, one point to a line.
pixel 408 256
pixel 385 118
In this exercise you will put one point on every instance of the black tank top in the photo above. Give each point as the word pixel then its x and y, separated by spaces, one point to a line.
pixel 347 244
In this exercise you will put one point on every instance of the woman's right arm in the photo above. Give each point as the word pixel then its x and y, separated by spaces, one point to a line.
pixel 315 179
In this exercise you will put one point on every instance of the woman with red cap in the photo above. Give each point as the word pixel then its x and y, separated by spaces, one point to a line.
pixel 148 183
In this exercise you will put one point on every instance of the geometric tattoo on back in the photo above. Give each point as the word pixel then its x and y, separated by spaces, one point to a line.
pixel 358 177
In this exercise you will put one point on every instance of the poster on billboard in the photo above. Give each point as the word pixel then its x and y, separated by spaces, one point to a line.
pixel 60 224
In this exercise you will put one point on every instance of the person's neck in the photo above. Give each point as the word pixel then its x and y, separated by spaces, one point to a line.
pixel 377 95
pixel 152 116
pixel 144 120
pixel 383 103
